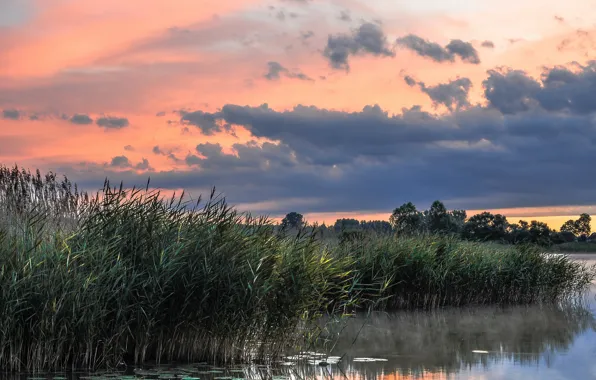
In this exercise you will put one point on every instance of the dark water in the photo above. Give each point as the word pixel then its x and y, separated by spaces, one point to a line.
pixel 536 342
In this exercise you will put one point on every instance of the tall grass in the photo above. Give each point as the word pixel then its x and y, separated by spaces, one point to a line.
pixel 433 271
pixel 129 275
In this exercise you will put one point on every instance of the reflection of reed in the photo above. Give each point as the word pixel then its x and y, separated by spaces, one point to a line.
pixel 443 341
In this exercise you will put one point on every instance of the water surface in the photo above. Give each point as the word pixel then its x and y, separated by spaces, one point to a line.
pixel 525 342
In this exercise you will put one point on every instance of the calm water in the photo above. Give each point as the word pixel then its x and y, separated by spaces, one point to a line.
pixel 554 342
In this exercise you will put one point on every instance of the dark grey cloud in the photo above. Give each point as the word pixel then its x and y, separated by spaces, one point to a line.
pixel 488 44
pixel 80 118
pixel 369 38
pixel 559 89
pixel 160 114
pixel 455 48
pixel 206 122
pixel 12 114
pixel 143 165
pixel 266 156
pixel 123 162
pixel 112 122
pixel 129 148
pixel 410 81
pixel 120 162
pixel 476 157
pixel 157 150
pixel 276 70
pixel 453 94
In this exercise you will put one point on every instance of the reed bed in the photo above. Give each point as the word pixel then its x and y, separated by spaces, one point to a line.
pixel 425 272
pixel 127 275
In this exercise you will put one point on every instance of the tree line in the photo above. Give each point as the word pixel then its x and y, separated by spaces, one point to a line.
pixel 408 220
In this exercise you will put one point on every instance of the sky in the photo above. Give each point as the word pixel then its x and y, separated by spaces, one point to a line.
pixel 332 108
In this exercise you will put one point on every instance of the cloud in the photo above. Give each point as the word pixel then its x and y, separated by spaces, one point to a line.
pixel 143 165
pixel 160 114
pixel 345 16
pixel 112 122
pixel 488 44
pixel 266 156
pixel 122 162
pixel 410 81
pixel 305 36
pixel 169 154
pixel 559 89
pixel 369 38
pixel 474 157
pixel 455 48
pixel 81 119
pixel 129 148
pixel 275 70
pixel 11 114
pixel 206 122
pixel 453 94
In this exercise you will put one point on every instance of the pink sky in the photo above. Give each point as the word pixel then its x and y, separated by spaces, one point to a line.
pixel 136 59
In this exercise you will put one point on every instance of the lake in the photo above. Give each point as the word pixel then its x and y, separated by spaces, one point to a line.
pixel 535 342
pixel 525 342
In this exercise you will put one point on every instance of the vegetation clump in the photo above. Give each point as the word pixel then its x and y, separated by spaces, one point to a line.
pixel 130 275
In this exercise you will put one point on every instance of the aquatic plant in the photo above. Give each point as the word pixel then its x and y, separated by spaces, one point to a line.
pixel 87 282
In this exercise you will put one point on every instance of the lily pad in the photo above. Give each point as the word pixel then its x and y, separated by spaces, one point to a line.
pixel 369 360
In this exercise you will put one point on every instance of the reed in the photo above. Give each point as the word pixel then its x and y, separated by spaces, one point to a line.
pixel 87 282
pixel 429 271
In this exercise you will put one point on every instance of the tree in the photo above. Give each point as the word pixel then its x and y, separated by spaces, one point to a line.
pixel 486 226
pixel 569 226
pixel 293 220
pixel 583 224
pixel 458 219
pixel 406 219
pixel 579 227
pixel 346 225
pixel 519 232
pixel 540 233
pixel 378 226
pixel 438 218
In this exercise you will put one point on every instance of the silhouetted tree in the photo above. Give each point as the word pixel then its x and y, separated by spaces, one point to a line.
pixel 578 227
pixel 437 218
pixel 378 226
pixel 540 233
pixel 346 225
pixel 292 220
pixel 583 224
pixel 406 219
pixel 486 226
